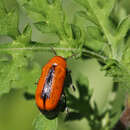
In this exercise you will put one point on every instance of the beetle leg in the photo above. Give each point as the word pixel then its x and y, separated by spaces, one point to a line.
pixel 29 96
pixel 36 83
pixel 62 102
pixel 67 114
pixel 63 98
pixel 66 108
pixel 68 71
pixel 69 79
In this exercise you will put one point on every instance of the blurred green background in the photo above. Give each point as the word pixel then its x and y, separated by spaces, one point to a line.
pixel 17 113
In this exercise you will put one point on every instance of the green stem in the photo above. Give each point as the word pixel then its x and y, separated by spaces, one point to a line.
pixel 87 52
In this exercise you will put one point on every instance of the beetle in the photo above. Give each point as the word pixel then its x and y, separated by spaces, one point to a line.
pixel 49 96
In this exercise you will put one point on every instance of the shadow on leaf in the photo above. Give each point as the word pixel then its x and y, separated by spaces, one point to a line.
pixel 82 107
pixel 29 96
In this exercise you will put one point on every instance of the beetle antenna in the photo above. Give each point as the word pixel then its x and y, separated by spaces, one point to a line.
pixel 53 51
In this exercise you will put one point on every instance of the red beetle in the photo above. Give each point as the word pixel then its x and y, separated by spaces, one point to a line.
pixel 49 96
pixel 50 85
pixel 49 93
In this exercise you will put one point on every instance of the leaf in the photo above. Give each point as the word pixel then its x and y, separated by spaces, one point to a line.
pixel 121 80
pixel 54 21
pixel 104 7
pixel 95 33
pixel 25 38
pixel 98 46
pixel 123 28
pixel 90 34
pixel 16 67
pixel 9 23
pixel 118 104
pixel 126 57
pixel 101 12
pixel 51 1
pixel 42 123
pixel 15 73
pixel 39 6
pixel 9 5
pixel 95 39
pixel 44 27
pixel 87 101
pixel 50 12
pixel 76 32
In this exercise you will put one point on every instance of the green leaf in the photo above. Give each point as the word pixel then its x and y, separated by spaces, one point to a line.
pixel 9 23
pixel 39 6
pixel 123 28
pixel 98 46
pixel 15 64
pixel 95 39
pixel 51 1
pixel 25 37
pixel 101 12
pixel 118 104
pixel 126 57
pixel 87 102
pixel 42 123
pixel 95 33
pixel 50 12
pixel 44 27
pixel 54 21
pixel 15 72
pixel 9 5
pixel 76 32
pixel 104 7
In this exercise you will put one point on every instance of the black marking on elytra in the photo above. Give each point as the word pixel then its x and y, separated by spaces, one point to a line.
pixel 48 83
pixel 60 108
